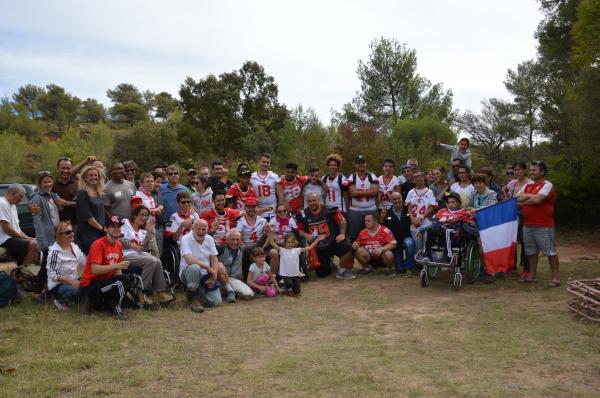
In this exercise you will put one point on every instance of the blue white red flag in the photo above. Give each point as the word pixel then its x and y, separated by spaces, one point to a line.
pixel 498 225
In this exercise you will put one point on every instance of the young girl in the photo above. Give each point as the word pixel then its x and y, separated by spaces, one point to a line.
pixel 260 278
pixel 289 260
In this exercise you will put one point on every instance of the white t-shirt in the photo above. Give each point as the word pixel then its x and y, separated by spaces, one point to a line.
pixel 385 191
pixel 363 203
pixel 282 230
pixel 464 193
pixel 335 195
pixel 132 236
pixel 251 233
pixel 289 261
pixel 9 214
pixel 201 251
pixel 264 186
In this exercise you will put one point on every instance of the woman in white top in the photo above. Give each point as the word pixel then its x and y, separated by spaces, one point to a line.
pixel 137 235
pixel 64 259
pixel 463 186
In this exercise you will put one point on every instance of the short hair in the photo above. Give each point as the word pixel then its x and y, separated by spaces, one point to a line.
pixel 467 169
pixel 145 175
pixel 203 180
pixel 265 155
pixel 478 178
pixel 160 164
pixel 216 163
pixel 335 158
pixel 16 188
pixel 232 231
pixel 455 159
pixel 63 159
pixel 542 166
pixel 116 162
pixel 257 251
pixel 172 167
pixel 157 174
pixel 441 169
pixel 388 160
pixel 130 164
pixel 288 236
pixel 182 195
pixel 41 175
pixel 291 165
pixel 217 193
pixel 313 168
pixel 61 226
pixel 465 139
pixel 487 171
pixel 521 165
pixel 374 215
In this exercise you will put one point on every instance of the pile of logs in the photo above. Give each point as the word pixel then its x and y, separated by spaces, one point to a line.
pixel 586 304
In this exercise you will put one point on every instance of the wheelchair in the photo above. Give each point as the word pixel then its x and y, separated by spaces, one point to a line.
pixel 464 258
pixel 170 259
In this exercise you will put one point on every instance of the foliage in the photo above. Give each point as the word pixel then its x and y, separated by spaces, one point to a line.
pixel 92 111
pixel 27 96
pixel 56 105
pixel 20 151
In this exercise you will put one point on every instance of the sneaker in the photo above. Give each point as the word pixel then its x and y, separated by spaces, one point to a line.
pixel 231 297
pixel 525 275
pixel 301 274
pixel 61 306
pixel 196 306
pixel 366 270
pixel 344 274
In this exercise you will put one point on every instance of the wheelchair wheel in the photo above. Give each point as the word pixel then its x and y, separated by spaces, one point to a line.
pixel 473 262
pixel 423 277
pixel 432 272
pixel 171 262
pixel 457 282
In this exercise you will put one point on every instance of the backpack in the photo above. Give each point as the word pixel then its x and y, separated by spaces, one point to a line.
pixel 8 289
pixel 354 177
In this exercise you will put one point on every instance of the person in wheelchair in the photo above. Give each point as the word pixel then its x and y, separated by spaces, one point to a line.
pixel 452 225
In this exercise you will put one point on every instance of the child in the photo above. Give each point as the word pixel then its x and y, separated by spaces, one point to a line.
pixel 289 260
pixel 461 151
pixel 259 275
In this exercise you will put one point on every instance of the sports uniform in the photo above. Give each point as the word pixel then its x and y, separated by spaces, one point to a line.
pixel 418 202
pixel 227 221
pixel 335 195
pixel 374 242
pixel 176 220
pixel 385 191
pixel 264 187
pixel 251 233
pixel 361 206
pixel 239 196
pixel 292 192
pixel 283 226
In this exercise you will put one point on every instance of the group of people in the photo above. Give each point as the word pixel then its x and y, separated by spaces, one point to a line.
pixel 258 236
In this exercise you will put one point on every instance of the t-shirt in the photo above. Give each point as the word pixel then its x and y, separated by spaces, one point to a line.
pixel 419 200
pixel 240 196
pixel 101 253
pixel 324 222
pixel 382 237
pixel 132 236
pixel 464 193
pixel 176 220
pixel 541 215
pixel 264 187
pixel 67 191
pixel 385 191
pixel 317 189
pixel 364 184
pixel 200 250
pixel 289 261
pixel 257 271
pixel 117 198
pixel 219 186
pixel 227 221
pixel 8 213
pixel 283 226
pixel 513 189
pixel 335 195
pixel 251 233
pixel 292 192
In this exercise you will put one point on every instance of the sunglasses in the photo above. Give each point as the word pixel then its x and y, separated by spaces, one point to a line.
pixel 67 232
pixel 129 170
pixel 281 211
pixel 68 159
pixel 172 174
pixel 510 174
pixel 185 202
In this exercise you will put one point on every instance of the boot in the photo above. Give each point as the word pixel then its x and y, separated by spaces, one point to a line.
pixel 165 298
pixel 194 301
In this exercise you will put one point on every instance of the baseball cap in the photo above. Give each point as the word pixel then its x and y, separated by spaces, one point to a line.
pixel 192 172
pixel 251 201
pixel 114 220
pixel 359 159
pixel 452 195
pixel 245 173
pixel 405 166
pixel 136 201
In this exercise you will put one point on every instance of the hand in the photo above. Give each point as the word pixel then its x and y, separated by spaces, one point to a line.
pixel 320 238
pixel 34 209
pixel 123 265
pixel 340 238
pixel 377 252
pixel 90 159
pixel 150 225
pixel 262 288
pixel 417 221
pixel 158 210
pixel 355 246
pixel 215 226
pixel 74 283
pixel 136 247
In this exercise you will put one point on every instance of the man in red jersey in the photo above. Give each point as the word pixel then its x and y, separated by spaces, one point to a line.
pixel 240 191
pixel 375 244
pixel 289 188
pixel 220 219
pixel 537 200
pixel 103 283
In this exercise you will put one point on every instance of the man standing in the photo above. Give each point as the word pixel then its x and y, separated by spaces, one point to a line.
pixel 317 220
pixel 388 183
pixel 364 196
pixel 102 281
pixel 289 188
pixel 218 180
pixel 337 184
pixel 408 183
pixel 374 245
pixel 118 192
pixel 264 183
pixel 66 185
pixel 192 179
pixel 20 246
pixel 169 191
pixel 538 222
pixel 240 191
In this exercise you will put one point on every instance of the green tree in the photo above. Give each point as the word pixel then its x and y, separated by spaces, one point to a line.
pixel 129 104
pixel 129 113
pixel 165 104
pixel 27 96
pixel 92 111
pixel 125 93
pixel 20 163
pixel 56 105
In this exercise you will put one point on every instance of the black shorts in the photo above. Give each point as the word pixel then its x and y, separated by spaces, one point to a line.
pixel 325 254
pixel 17 248
pixel 376 262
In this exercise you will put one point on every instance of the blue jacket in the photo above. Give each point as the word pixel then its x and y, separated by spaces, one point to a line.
pixel 169 197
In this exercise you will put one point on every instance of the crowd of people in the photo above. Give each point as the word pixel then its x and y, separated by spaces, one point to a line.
pixel 261 235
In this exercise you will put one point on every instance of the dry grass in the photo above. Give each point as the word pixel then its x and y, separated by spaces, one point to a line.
pixel 376 336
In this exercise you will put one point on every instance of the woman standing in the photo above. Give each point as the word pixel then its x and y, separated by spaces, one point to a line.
pixel 512 189
pixel 439 186
pixel 64 259
pixel 90 208
pixel 463 186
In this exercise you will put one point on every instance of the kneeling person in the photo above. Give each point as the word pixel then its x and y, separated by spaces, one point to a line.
pixel 375 244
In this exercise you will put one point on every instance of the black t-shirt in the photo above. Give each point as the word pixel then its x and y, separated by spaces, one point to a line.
pixel 218 185
pixel 324 223
pixel 405 189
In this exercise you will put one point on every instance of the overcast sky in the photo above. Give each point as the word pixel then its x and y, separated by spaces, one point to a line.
pixel 311 48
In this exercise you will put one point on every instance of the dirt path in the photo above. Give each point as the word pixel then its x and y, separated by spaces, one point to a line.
pixel 578 252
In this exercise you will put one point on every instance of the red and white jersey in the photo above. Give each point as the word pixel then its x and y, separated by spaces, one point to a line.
pixel 149 202
pixel 264 187
pixel 385 191
pixel 292 192
pixel 541 215
pixel 239 196
pixel 175 221
pixel 133 236
pixel 335 196
pixel 226 221
pixel 382 237
pixel 251 233
pixel 283 226
pixel 448 216
pixel 419 201
pixel 362 203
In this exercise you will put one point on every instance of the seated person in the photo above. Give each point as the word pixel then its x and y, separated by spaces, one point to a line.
pixel 180 222
pixel 397 220
pixel 20 246
pixel 448 224
pixel 375 244
pixel 231 256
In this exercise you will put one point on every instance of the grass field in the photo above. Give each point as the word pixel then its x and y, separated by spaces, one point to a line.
pixel 379 335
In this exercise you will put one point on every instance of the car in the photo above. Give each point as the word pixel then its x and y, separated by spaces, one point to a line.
pixel 25 217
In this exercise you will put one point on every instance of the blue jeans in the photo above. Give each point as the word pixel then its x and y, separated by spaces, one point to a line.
pixel 66 293
pixel 406 248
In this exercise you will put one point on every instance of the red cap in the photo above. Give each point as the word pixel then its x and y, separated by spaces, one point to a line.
pixel 251 201
pixel 136 201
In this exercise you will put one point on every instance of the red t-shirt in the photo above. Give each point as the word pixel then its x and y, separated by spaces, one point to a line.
pixel 292 192
pixel 541 215
pixel 102 253
pixel 227 221
pixel 239 197
pixel 377 241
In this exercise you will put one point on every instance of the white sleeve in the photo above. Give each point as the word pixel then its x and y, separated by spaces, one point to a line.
pixel 545 190
pixel 185 245
pixel 173 224
pixel 52 265
pixel 4 212
pixel 239 225
pixel 79 255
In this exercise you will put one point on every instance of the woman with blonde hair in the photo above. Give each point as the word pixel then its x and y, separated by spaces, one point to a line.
pixel 90 207
pixel 64 258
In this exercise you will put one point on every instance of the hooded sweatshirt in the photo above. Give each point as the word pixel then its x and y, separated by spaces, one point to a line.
pixel 480 200
pixel 46 219
pixel 203 201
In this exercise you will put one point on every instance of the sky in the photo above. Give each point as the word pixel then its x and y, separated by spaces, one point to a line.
pixel 311 48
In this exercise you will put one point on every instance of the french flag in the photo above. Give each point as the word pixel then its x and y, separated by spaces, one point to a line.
pixel 498 225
